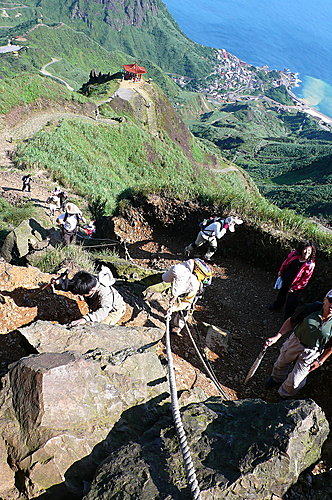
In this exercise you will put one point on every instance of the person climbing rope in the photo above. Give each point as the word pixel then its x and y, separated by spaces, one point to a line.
pixel 106 304
pixel 188 280
pixel 69 221
pixel 212 230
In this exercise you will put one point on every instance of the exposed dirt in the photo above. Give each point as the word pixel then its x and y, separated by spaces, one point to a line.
pixel 236 301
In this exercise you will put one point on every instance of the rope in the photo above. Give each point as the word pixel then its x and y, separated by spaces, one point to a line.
pixel 208 370
pixel 190 471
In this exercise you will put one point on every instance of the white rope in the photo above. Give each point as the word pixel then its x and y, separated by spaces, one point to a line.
pixel 190 471
pixel 208 370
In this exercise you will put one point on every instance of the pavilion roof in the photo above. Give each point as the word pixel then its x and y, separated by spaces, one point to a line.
pixel 134 68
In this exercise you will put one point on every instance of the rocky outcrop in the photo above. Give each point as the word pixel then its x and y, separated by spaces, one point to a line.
pixel 246 450
pixel 57 406
pixel 29 235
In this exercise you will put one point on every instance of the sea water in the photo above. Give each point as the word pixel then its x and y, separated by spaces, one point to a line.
pixel 293 34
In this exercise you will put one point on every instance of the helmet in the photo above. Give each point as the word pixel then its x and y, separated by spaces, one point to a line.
pixel 202 272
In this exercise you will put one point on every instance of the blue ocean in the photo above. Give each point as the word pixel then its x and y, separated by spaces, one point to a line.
pixel 293 34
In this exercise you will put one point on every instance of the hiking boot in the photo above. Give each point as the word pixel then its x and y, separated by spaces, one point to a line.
pixel 271 383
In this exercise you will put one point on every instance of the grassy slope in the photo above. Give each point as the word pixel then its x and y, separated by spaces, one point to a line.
pixel 115 161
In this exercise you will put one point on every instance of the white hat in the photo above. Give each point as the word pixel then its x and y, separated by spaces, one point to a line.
pixel 231 221
pixel 72 209
pixel 329 294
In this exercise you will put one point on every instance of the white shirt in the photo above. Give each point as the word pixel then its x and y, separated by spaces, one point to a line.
pixel 214 230
pixel 70 223
pixel 182 279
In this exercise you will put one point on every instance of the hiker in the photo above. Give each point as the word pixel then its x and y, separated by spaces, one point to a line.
pixel 63 197
pixel 188 280
pixel 106 305
pixel 26 179
pixel 295 272
pixel 54 204
pixel 307 348
pixel 69 221
pixel 90 229
pixel 212 230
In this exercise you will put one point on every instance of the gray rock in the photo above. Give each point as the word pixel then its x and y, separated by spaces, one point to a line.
pixel 56 408
pixel 25 237
pixel 45 336
pixel 247 450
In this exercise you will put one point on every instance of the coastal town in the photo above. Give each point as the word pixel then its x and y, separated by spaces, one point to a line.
pixel 235 80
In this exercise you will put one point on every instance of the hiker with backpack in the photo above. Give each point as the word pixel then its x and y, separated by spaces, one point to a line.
pixel 211 230
pixel 188 281
pixel 105 303
pixel 26 179
pixel 69 221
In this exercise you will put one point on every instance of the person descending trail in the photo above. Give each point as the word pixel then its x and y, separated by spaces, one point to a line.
pixel 188 281
pixel 212 230
pixel 26 179
pixel 305 350
pixel 69 221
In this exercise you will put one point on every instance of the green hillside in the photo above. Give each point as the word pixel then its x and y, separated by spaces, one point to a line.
pixel 144 31
pixel 287 154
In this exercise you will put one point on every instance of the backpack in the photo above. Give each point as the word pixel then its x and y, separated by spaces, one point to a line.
pixel 206 222
pixel 202 272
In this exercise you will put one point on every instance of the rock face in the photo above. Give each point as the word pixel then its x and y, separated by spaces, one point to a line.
pixel 246 450
pixel 56 407
pixel 25 237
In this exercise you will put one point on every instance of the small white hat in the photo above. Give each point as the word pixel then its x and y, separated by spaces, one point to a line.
pixel 72 209
pixel 231 221
pixel 329 294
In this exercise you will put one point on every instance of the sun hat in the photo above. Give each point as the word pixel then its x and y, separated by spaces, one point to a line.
pixel 72 209
pixel 231 221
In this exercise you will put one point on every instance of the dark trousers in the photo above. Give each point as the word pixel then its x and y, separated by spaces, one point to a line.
pixel 68 237
pixel 26 186
pixel 290 299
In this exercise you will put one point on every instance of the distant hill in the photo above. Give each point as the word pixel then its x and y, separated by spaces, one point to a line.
pixel 144 30
pixel 287 154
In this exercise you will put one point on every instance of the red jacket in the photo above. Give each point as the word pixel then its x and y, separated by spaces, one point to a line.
pixel 304 274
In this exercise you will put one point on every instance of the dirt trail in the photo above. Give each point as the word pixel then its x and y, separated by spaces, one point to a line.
pixel 47 73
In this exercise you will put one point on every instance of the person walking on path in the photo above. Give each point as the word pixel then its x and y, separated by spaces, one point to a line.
pixel 54 205
pixel 307 348
pixel 211 232
pixel 188 280
pixel 63 197
pixel 69 221
pixel 105 303
pixel 295 272
pixel 26 180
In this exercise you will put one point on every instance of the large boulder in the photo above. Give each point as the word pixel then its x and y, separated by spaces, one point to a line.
pixel 247 450
pixel 27 236
pixel 57 407
pixel 45 336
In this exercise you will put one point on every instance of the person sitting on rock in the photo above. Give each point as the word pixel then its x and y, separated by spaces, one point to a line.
pixel 69 221
pixel 188 280
pixel 106 305
pixel 211 232
pixel 307 348
pixel 26 179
